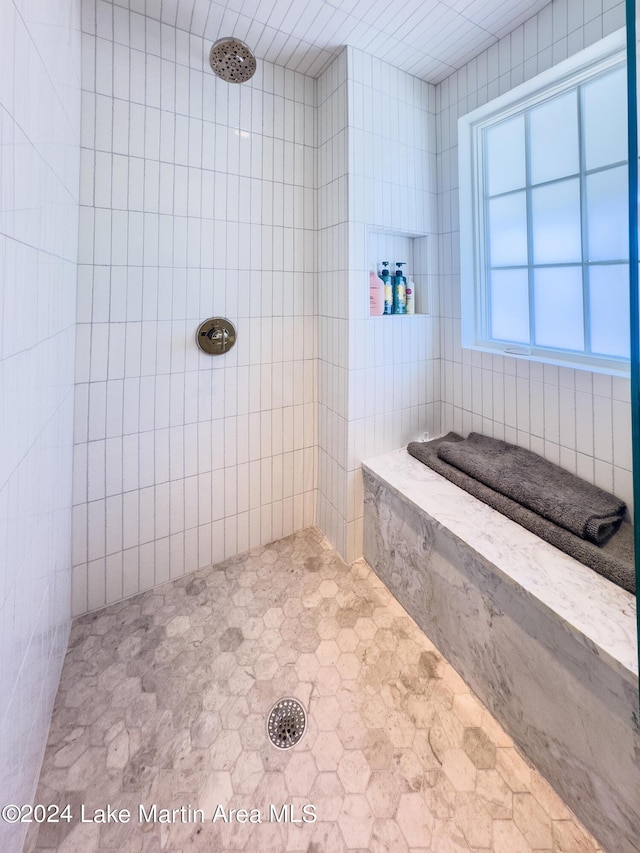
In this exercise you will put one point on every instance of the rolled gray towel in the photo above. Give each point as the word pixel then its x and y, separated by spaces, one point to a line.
pixel 534 482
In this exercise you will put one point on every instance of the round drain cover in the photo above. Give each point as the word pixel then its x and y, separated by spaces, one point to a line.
pixel 286 723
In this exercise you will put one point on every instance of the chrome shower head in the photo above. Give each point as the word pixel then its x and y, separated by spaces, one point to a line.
pixel 232 60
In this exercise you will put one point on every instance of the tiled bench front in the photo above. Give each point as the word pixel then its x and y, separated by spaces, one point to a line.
pixel 548 645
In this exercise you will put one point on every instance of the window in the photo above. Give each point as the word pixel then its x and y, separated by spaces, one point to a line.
pixel 544 224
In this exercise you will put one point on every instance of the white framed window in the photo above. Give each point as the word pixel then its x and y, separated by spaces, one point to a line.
pixel 544 216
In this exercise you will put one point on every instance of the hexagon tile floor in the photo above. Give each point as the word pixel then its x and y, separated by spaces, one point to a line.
pixel 164 699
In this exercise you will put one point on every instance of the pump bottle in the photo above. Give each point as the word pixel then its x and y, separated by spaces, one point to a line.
pixel 399 290
pixel 388 288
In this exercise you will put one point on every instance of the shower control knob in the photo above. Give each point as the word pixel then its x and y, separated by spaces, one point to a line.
pixel 216 336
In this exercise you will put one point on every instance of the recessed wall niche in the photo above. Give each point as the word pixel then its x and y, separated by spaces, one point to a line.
pixel 413 249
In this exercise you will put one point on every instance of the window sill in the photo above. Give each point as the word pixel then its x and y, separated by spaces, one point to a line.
pixel 608 367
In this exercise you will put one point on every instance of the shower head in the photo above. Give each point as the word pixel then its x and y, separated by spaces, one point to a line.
pixel 232 60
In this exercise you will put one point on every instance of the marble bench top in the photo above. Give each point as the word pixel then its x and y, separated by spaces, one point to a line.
pixel 599 613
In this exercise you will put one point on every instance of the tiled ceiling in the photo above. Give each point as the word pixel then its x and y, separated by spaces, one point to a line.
pixel 428 38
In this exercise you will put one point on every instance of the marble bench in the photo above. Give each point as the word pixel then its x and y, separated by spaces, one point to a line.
pixel 549 646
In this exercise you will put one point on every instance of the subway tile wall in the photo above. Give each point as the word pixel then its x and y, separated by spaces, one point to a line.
pixel 393 361
pixel 197 200
pixel 332 286
pixel 39 169
pixel 378 377
pixel 578 419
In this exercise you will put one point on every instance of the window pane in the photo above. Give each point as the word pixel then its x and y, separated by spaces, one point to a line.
pixel 555 210
pixel 508 230
pixel 510 305
pixel 607 217
pixel 504 147
pixel 604 109
pixel 609 304
pixel 553 136
pixel 558 308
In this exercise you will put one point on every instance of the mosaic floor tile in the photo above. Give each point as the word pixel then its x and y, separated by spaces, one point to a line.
pixel 162 711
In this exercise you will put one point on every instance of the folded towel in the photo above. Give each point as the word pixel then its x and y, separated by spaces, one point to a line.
pixel 545 488
pixel 614 561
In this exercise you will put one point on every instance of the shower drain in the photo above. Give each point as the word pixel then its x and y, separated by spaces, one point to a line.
pixel 286 723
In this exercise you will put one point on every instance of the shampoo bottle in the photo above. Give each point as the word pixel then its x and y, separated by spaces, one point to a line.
pixel 399 290
pixel 376 295
pixel 388 288
pixel 411 297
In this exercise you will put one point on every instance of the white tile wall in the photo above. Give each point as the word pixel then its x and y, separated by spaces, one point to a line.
pixel 198 200
pixel 332 281
pixel 39 168
pixel 378 377
pixel 394 372
pixel 578 419
pixel 425 39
